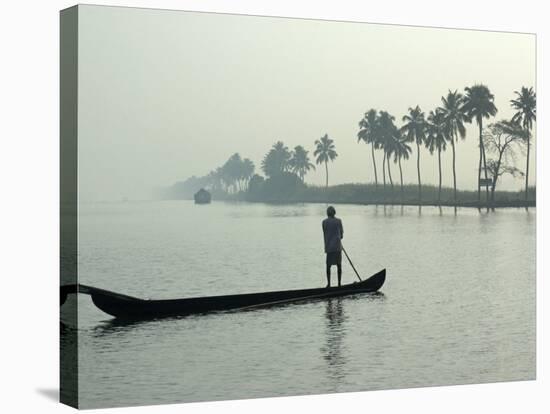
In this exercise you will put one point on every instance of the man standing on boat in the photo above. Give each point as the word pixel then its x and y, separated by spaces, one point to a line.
pixel 333 232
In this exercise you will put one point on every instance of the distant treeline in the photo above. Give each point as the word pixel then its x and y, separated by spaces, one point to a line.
pixel 284 170
pixel 370 194
pixel 287 189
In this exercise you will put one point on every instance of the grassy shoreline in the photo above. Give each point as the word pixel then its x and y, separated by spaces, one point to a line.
pixel 482 205
pixel 369 194
pixel 500 204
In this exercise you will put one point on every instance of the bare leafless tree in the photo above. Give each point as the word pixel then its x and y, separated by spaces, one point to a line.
pixel 501 140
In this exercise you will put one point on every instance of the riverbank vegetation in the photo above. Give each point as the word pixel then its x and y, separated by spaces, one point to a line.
pixel 283 171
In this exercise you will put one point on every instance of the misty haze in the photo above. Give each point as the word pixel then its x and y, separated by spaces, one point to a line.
pixel 165 96
pixel 273 207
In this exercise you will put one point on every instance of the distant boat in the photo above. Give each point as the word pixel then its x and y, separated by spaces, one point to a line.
pixel 202 197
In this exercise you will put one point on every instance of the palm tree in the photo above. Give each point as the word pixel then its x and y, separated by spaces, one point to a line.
pixel 454 119
pixel 414 131
pixel 479 104
pixel 299 163
pixel 388 134
pixel 526 107
pixel 325 151
pixel 232 172
pixel 436 139
pixel 388 151
pixel 401 150
pixel 367 133
pixel 276 161
pixel 247 171
pixel 384 133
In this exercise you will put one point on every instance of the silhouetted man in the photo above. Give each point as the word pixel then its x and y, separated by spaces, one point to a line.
pixel 333 232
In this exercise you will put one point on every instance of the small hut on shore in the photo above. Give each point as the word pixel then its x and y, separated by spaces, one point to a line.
pixel 202 197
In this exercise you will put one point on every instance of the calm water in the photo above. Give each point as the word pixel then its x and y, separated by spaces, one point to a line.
pixel 458 305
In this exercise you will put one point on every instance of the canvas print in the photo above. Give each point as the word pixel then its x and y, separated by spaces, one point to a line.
pixel 259 207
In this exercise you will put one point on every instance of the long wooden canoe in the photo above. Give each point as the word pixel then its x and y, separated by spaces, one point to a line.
pixel 128 307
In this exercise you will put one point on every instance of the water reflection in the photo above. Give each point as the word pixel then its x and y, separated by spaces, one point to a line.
pixel 335 331
pixel 336 321
pixel 117 325
pixel 287 210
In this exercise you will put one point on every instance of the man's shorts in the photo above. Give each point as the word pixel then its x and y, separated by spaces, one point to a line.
pixel 334 258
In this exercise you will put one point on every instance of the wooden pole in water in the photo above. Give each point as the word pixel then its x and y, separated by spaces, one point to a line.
pixel 351 263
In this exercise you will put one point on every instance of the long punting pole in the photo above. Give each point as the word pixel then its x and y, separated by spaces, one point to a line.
pixel 351 263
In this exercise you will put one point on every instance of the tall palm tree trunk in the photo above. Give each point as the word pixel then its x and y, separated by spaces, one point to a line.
pixel 527 166
pixel 418 169
pixel 384 169
pixel 479 174
pixel 454 169
pixel 389 173
pixel 401 177
pixel 439 161
pixel 326 174
pixel 374 166
pixel 486 177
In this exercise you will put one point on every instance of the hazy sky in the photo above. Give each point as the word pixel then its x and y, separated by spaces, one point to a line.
pixel 164 95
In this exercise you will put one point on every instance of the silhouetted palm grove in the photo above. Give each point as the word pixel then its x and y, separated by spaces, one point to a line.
pixel 436 131
pixel 445 125
pixel 233 176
